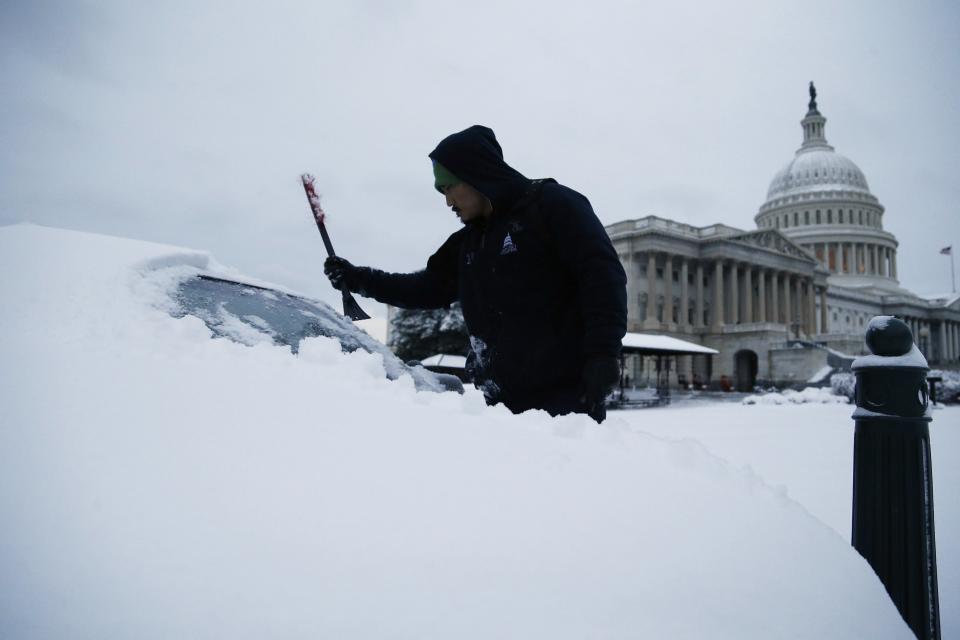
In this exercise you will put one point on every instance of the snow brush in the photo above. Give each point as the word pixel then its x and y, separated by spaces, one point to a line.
pixel 350 307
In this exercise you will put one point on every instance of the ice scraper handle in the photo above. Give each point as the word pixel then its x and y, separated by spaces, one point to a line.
pixel 350 307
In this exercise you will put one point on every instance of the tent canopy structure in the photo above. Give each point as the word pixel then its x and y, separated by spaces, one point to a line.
pixel 651 345
pixel 662 349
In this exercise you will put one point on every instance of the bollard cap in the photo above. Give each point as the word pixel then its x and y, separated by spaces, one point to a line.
pixel 891 346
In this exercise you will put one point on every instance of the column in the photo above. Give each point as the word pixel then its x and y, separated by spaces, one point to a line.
pixel 812 307
pixel 650 321
pixel 893 262
pixel 684 294
pixel 956 341
pixel 633 294
pixel 823 311
pixel 848 259
pixel 942 356
pixel 873 260
pixel 775 309
pixel 734 294
pixel 668 290
pixel 802 306
pixel 717 319
pixel 748 294
pixel 948 337
pixel 698 319
pixel 885 262
pixel 787 316
pixel 950 346
pixel 948 332
pixel 953 340
pixel 761 295
pixel 948 327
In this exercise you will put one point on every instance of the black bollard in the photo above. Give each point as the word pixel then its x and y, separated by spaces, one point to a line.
pixel 892 476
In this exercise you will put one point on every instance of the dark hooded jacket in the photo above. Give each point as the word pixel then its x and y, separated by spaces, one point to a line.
pixel 540 284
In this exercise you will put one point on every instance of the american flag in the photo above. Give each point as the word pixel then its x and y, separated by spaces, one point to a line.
pixel 947 251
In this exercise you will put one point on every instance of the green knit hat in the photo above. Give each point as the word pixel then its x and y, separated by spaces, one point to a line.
pixel 442 177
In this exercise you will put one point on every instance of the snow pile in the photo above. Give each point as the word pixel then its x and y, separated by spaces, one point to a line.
pixel 815 395
pixel 155 482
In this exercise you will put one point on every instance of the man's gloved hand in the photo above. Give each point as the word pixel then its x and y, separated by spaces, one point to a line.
pixel 600 375
pixel 343 275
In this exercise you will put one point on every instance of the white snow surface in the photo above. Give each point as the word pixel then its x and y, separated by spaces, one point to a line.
pixel 155 482
pixel 913 359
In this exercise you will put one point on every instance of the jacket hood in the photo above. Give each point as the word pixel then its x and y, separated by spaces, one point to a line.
pixel 475 156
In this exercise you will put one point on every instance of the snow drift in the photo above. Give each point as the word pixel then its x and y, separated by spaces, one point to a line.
pixel 816 395
pixel 155 482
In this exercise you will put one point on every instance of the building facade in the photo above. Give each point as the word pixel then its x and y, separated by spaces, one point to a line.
pixel 790 301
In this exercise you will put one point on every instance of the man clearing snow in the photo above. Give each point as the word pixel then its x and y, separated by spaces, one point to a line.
pixel 542 290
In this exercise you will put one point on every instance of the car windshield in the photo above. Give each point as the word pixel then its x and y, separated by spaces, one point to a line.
pixel 251 314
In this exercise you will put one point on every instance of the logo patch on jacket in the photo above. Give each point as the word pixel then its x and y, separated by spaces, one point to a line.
pixel 508 246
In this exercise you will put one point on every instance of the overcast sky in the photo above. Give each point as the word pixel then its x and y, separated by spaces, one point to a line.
pixel 190 122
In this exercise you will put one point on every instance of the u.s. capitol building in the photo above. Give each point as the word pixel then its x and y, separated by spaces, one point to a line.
pixel 783 302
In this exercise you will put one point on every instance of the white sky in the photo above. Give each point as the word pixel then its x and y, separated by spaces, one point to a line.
pixel 189 122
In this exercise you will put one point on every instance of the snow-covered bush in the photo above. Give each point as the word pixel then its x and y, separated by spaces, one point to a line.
pixel 844 384
pixel 815 395
pixel 948 391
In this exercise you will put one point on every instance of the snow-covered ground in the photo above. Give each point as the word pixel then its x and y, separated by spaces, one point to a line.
pixel 157 483
pixel 806 451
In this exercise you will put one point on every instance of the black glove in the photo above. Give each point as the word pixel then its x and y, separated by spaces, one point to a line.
pixel 343 275
pixel 600 375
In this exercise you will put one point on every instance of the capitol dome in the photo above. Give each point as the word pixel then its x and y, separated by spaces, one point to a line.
pixel 818 168
pixel 821 201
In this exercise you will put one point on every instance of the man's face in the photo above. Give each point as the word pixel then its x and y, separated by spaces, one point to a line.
pixel 468 203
